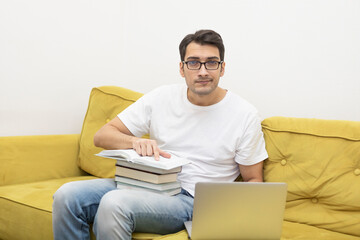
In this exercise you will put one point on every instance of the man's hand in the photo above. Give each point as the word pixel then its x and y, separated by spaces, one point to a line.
pixel 148 147
pixel 115 135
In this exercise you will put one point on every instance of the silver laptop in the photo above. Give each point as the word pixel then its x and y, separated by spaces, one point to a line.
pixel 237 210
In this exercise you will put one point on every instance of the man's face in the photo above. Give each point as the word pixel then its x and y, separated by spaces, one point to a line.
pixel 201 82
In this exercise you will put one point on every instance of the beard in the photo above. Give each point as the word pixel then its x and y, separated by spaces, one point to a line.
pixel 203 86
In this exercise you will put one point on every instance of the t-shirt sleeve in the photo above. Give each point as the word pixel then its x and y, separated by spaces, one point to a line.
pixel 137 116
pixel 251 148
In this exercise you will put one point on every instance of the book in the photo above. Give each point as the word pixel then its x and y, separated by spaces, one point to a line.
pixel 138 183
pixel 146 168
pixel 144 175
pixel 130 155
pixel 169 192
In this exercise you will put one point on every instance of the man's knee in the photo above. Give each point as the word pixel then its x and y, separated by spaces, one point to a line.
pixel 114 219
pixel 65 194
pixel 117 201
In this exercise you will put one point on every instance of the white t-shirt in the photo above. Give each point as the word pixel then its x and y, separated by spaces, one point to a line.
pixel 214 138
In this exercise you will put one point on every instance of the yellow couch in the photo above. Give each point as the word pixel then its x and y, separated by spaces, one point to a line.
pixel 319 159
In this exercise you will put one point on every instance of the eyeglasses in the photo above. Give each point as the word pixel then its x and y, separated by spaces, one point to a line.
pixel 196 65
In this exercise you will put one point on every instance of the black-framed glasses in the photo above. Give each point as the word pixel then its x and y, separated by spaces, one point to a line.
pixel 196 65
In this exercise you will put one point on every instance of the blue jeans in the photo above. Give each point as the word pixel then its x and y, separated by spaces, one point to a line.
pixel 115 213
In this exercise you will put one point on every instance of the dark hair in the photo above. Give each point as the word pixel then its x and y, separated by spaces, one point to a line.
pixel 203 37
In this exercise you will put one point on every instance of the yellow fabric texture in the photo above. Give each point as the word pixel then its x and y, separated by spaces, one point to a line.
pixel 320 162
pixel 298 231
pixel 290 231
pixel 182 235
pixel 25 211
pixel 144 236
pixel 104 104
pixel 36 158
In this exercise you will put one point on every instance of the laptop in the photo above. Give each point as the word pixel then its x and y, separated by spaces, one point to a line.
pixel 237 210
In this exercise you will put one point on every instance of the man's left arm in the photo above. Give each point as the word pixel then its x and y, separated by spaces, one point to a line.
pixel 252 173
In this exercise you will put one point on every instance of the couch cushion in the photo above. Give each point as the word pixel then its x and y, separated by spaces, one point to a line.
pixel 290 231
pixel 25 209
pixel 320 161
pixel 182 235
pixel 300 231
pixel 104 104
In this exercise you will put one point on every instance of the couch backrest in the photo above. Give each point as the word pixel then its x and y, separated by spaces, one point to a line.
pixel 25 159
pixel 104 104
pixel 320 162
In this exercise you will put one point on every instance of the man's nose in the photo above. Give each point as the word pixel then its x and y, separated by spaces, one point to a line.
pixel 203 70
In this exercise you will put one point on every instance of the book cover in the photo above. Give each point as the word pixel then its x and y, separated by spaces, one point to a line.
pixel 145 176
pixel 169 192
pixel 130 155
pixel 159 187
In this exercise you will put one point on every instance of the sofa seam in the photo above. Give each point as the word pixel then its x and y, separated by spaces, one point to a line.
pixel 17 202
pixel 321 228
pixel 311 134
pixel 131 99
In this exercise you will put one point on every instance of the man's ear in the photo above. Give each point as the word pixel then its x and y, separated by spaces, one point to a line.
pixel 222 69
pixel 181 65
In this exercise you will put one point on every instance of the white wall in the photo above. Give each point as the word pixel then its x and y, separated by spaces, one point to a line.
pixel 289 58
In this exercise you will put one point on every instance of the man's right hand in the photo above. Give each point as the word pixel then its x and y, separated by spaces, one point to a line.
pixel 148 147
pixel 115 135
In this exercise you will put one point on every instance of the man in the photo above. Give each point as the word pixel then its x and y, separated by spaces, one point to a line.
pixel 214 128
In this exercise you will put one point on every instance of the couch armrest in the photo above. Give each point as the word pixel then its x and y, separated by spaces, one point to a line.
pixel 36 158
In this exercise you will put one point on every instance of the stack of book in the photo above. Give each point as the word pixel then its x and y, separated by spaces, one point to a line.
pixel 145 173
